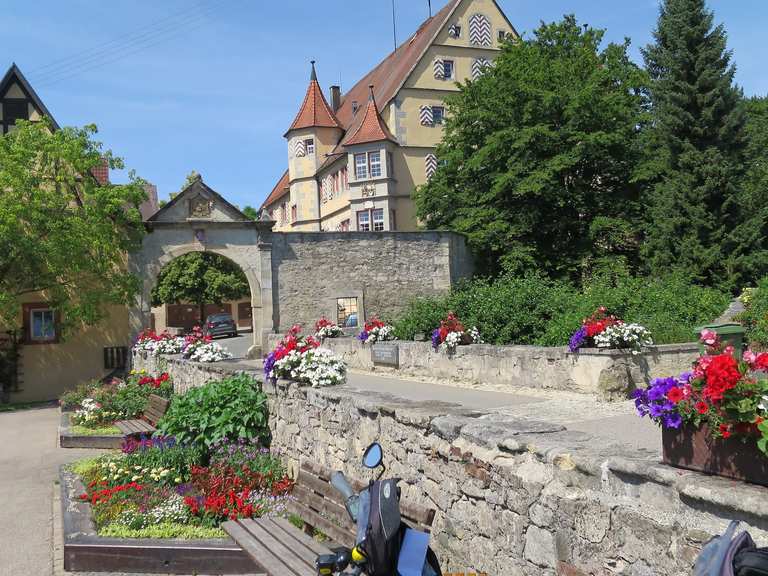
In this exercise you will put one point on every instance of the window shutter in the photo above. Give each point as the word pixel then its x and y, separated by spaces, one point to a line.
pixel 479 66
pixel 425 116
pixel 479 30
pixel 298 149
pixel 439 69
pixel 430 165
pixel 454 31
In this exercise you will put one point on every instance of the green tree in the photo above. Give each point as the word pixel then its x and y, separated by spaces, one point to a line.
pixel 538 153
pixel 61 232
pixel 755 190
pixel 696 224
pixel 251 212
pixel 200 278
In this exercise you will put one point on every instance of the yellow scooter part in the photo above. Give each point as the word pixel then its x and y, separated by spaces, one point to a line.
pixel 357 556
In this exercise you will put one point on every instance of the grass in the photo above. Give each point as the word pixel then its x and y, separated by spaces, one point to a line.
pixel 166 530
pixel 79 430
pixel 82 467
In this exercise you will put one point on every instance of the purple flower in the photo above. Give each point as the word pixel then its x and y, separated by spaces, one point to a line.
pixel 182 489
pixel 578 339
pixel 269 364
pixel 363 336
pixel 436 338
pixel 673 420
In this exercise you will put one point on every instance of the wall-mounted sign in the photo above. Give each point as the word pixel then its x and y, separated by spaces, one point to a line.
pixel 385 355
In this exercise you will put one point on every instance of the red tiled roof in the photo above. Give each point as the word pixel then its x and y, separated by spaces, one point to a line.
pixel 315 111
pixel 280 190
pixel 370 127
pixel 392 72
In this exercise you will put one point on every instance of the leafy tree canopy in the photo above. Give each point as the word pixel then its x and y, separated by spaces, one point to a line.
pixel 189 179
pixel 538 154
pixel 251 212
pixel 698 221
pixel 200 278
pixel 61 232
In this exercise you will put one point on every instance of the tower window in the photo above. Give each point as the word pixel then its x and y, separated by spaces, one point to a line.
pixel 374 161
pixel 361 167
pixel 309 146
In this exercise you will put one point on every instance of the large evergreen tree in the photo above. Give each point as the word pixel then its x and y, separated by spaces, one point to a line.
pixel 696 222
pixel 538 154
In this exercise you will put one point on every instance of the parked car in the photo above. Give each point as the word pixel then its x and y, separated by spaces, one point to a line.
pixel 220 325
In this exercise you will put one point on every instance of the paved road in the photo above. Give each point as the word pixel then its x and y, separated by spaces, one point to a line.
pixel 29 463
pixel 237 346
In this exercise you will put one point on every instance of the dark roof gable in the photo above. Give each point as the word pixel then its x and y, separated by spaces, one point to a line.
pixel 14 75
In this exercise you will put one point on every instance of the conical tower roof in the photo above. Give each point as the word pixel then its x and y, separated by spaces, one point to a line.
pixel 315 111
pixel 371 128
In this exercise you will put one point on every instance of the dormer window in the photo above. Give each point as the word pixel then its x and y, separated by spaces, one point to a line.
pixel 309 146
pixel 361 166
pixel 374 160
pixel 454 31
pixel 355 107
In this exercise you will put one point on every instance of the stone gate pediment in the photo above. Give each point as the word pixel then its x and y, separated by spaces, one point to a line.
pixel 199 202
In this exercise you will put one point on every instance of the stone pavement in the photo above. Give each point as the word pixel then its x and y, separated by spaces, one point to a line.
pixel 29 464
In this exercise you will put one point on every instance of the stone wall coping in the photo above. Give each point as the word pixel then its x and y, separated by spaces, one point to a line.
pixel 501 349
pixel 497 437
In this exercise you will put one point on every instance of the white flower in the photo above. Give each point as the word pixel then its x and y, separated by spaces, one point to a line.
pixel 384 333
pixel 764 404
pixel 316 366
pixel 623 336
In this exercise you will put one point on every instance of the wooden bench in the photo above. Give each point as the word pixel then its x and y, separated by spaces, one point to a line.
pixel 281 549
pixel 147 424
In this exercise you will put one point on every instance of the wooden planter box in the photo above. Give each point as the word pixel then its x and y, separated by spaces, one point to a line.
pixel 694 449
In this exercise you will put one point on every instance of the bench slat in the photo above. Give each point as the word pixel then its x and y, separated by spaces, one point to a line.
pixel 313 547
pixel 295 562
pixel 339 535
pixel 256 550
pixel 323 506
pixel 320 486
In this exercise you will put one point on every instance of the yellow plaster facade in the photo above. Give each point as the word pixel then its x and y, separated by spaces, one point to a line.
pixel 464 34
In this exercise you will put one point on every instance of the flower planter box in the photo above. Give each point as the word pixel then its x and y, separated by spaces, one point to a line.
pixel 86 551
pixel 68 439
pixel 694 449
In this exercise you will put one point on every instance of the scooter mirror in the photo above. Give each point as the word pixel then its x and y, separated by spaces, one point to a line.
pixel 372 456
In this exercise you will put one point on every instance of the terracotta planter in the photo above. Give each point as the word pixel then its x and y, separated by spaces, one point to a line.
pixel 694 449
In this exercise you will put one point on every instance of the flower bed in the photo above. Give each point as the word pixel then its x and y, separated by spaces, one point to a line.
pixel 160 487
pixel 376 330
pixel 722 398
pixel 93 407
pixel 194 346
pixel 452 333
pixel 604 330
pixel 300 358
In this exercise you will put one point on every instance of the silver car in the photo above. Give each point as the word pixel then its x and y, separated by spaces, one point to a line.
pixel 220 325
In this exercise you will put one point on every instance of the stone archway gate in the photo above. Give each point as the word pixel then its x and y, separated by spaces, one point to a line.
pixel 201 220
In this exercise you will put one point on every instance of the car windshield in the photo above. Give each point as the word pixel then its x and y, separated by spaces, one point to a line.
pixel 219 318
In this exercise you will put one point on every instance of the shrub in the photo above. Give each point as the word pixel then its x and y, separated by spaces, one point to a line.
pixel 74 398
pixel 536 310
pixel 233 408
pixel 755 318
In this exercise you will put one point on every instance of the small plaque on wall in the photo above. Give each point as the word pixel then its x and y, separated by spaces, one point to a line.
pixel 385 355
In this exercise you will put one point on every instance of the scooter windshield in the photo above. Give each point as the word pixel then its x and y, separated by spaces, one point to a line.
pixel 364 512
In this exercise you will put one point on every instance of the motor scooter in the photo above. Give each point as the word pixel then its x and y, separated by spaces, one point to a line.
pixel 384 544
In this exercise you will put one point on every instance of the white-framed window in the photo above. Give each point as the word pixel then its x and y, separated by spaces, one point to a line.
pixel 378 219
pixel 361 166
pixel 374 164
pixel 309 146
pixel 448 69
pixel 42 325
pixel 438 114
pixel 364 221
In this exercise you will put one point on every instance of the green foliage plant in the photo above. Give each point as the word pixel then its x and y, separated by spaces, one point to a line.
pixel 228 409
pixel 755 317
pixel 61 231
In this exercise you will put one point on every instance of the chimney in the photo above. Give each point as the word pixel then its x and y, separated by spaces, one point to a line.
pixel 335 98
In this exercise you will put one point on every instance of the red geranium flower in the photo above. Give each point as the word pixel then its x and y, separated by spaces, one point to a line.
pixel 725 430
pixel 702 407
pixel 675 395
pixel 722 374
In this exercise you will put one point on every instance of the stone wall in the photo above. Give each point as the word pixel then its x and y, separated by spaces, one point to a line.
pixel 383 270
pixel 512 496
pixel 612 374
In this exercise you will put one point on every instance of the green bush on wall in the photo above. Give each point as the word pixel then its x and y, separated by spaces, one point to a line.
pixel 755 318
pixel 535 310
pixel 232 408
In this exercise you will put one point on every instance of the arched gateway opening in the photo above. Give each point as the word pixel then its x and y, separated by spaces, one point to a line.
pixel 201 220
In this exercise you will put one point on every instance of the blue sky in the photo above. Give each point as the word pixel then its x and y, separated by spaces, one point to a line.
pixel 212 85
